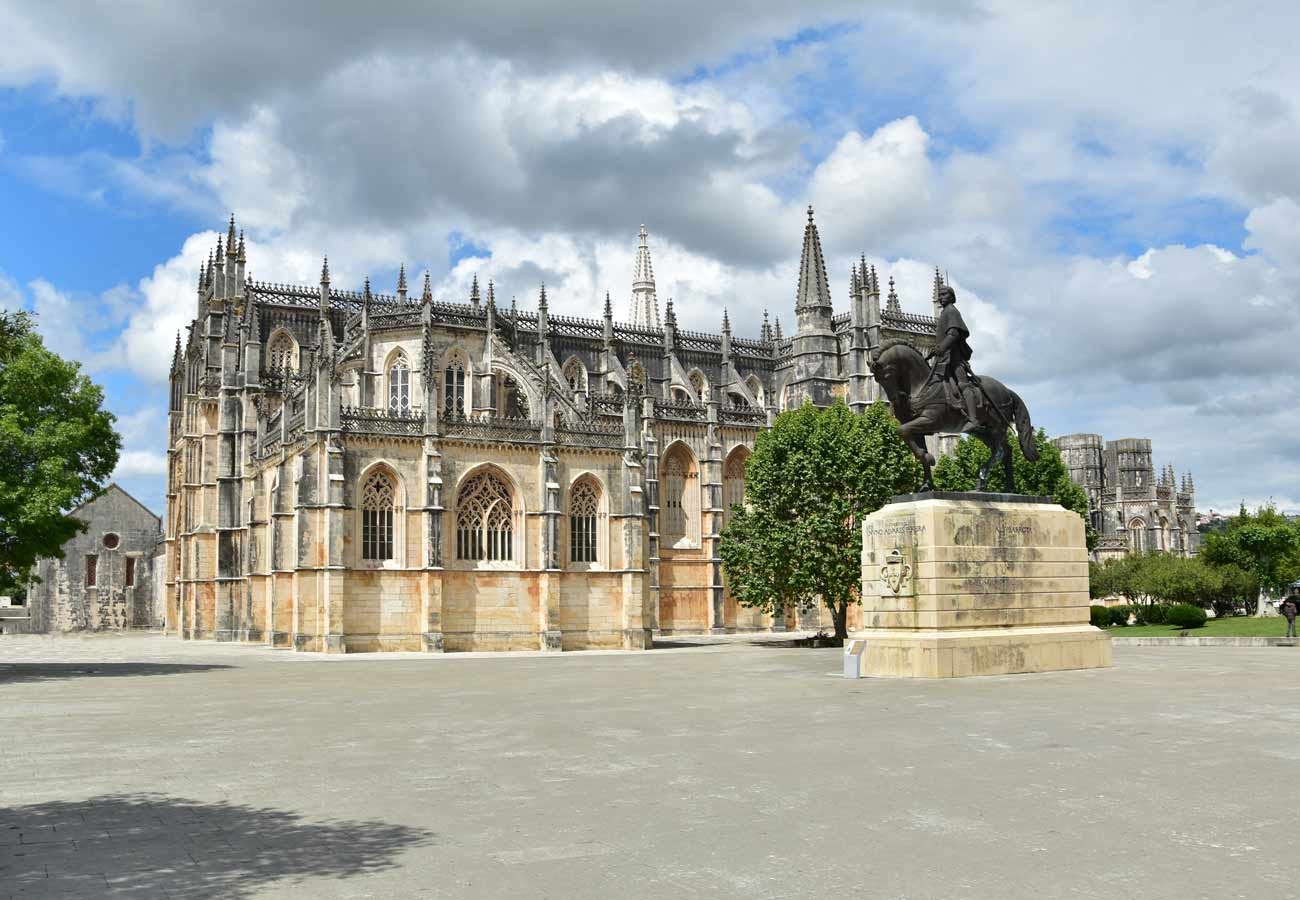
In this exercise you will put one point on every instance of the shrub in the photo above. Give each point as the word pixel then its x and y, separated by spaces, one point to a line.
pixel 1152 614
pixel 1099 616
pixel 1184 615
pixel 1119 614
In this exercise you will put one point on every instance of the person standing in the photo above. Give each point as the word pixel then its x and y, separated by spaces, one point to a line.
pixel 1290 606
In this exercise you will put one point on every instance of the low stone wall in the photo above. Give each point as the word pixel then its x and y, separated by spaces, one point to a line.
pixel 1205 642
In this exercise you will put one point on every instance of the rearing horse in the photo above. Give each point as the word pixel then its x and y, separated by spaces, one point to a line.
pixel 922 408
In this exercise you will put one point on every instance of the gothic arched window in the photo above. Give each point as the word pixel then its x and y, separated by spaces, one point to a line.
pixel 698 385
pixel 733 482
pixel 453 388
pixel 574 375
pixel 399 385
pixel 680 499
pixel 516 401
pixel 282 352
pixel 377 517
pixel 485 520
pixel 584 505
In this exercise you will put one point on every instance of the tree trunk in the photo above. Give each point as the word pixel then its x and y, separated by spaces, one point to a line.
pixel 840 613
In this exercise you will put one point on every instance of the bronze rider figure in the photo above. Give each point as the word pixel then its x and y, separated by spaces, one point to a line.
pixel 951 357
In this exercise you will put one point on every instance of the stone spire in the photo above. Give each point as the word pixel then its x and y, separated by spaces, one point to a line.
pixel 609 310
pixel 778 329
pixel 324 286
pixel 934 296
pixel 474 299
pixel 891 303
pixel 426 295
pixel 765 335
pixel 401 282
pixel 492 295
pixel 176 354
pixel 645 303
pixel 231 249
pixel 814 291
pixel 243 253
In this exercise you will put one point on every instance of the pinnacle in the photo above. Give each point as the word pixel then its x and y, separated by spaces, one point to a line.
pixel 427 295
pixel 325 271
pixel 813 289
pixel 401 278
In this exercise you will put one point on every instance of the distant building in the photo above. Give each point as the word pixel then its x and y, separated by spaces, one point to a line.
pixel 1132 510
pixel 104 582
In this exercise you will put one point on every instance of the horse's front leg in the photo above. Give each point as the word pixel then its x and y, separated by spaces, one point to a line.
pixel 913 434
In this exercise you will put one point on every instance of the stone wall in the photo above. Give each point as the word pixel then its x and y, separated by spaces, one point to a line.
pixel 122 596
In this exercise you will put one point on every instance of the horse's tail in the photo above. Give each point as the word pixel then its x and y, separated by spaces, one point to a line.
pixel 1024 428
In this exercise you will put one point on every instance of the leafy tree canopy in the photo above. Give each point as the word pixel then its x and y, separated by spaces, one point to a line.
pixel 57 448
pixel 1047 476
pixel 1263 543
pixel 814 475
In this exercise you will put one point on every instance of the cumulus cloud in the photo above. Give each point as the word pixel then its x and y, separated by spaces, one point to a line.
pixel 1085 187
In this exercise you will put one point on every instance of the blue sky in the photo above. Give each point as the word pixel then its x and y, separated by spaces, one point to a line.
pixel 1119 211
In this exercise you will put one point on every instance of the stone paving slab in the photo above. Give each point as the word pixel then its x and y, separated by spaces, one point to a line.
pixel 144 766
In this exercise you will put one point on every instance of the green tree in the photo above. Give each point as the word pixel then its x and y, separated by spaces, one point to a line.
pixel 57 448
pixel 1047 476
pixel 814 475
pixel 1263 543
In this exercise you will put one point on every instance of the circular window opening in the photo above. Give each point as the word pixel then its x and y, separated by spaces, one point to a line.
pixel 111 541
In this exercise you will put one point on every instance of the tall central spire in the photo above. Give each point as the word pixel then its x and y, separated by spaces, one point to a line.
pixel 645 303
pixel 814 290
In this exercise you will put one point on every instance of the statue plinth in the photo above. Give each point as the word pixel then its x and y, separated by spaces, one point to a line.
pixel 975 584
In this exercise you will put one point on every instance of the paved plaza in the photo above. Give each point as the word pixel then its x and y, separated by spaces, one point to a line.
pixel 144 766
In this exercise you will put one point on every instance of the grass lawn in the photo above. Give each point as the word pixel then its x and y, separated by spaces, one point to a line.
pixel 1231 626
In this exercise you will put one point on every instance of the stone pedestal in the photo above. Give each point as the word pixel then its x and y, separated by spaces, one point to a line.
pixel 975 584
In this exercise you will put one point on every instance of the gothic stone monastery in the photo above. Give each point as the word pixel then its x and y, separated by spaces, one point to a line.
pixel 357 471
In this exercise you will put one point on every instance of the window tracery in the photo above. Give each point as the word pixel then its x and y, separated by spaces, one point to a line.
pixel 399 385
pixel 453 388
pixel 584 506
pixel 377 517
pixel 485 519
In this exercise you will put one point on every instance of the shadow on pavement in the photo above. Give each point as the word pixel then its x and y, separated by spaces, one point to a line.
pixel 150 845
pixel 16 672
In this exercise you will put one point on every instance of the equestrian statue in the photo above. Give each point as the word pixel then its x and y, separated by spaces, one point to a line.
pixel 947 397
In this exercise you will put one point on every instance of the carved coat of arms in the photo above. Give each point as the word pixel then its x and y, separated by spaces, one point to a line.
pixel 895 571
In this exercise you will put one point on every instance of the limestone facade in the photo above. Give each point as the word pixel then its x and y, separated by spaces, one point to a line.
pixel 1132 510
pixel 975 584
pixel 104 582
pixel 357 471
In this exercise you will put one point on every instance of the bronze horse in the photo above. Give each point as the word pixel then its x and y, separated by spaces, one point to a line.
pixel 922 408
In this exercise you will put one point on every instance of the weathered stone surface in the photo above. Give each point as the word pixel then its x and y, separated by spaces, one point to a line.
pixel 961 585
pixel 123 537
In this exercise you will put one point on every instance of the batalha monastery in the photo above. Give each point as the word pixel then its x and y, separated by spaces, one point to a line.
pixel 358 471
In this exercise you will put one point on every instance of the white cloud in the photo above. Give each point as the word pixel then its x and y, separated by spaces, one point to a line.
pixel 136 463
pixel 1083 185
